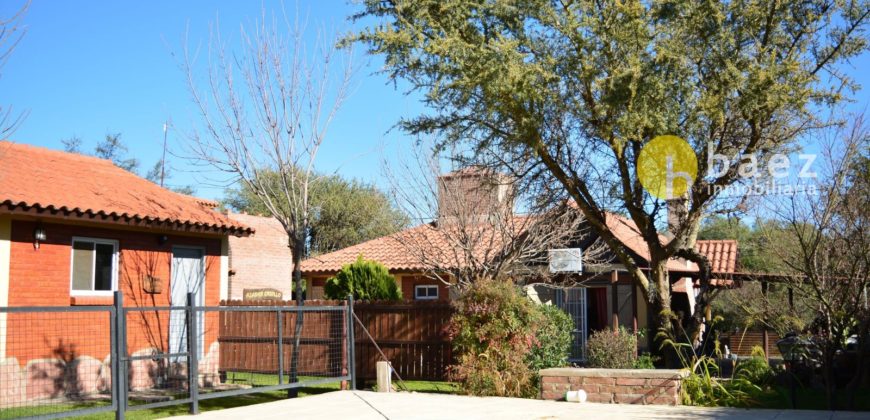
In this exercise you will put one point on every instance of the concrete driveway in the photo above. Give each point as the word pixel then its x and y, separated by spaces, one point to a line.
pixel 365 405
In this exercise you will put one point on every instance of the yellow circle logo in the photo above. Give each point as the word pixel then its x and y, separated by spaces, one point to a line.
pixel 667 167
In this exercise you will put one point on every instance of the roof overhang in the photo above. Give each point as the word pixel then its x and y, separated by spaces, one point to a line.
pixel 64 214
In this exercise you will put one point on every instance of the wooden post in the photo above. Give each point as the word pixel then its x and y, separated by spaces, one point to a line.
pixel 614 298
pixel 384 374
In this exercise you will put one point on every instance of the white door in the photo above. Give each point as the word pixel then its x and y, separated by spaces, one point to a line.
pixel 188 276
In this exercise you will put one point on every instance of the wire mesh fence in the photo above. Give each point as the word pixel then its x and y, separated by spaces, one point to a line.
pixel 55 361
pixel 61 361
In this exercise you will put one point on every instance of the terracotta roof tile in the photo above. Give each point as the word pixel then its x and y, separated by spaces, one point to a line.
pixel 722 254
pixel 391 251
pixel 48 180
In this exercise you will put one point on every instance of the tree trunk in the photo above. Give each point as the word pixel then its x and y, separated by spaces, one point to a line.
pixel 828 373
pixel 299 252
pixel 858 376
pixel 663 314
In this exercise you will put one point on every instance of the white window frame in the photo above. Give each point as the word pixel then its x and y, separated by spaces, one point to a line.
pixel 93 292
pixel 418 287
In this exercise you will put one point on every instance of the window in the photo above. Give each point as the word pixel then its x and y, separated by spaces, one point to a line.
pixel 94 266
pixel 426 292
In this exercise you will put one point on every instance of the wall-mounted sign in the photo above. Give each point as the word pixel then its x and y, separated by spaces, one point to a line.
pixel 567 260
pixel 262 294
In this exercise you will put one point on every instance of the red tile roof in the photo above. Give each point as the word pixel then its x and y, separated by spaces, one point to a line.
pixel 35 179
pixel 722 254
pixel 627 232
pixel 393 252
pixel 390 251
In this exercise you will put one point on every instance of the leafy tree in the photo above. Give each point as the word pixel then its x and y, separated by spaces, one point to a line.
pixel 113 149
pixel 755 249
pixel 569 93
pixel 365 280
pixel 347 212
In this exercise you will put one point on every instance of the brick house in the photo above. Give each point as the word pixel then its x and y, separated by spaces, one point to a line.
pixel 605 295
pixel 262 261
pixel 74 229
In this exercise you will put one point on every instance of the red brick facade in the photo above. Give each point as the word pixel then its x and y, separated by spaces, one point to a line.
pixel 41 277
pixel 409 283
pixel 262 260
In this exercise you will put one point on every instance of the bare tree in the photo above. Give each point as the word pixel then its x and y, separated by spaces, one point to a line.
pixel 266 109
pixel 11 33
pixel 469 225
pixel 827 252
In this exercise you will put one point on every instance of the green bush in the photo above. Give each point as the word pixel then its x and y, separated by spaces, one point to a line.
pixel 756 369
pixel 606 349
pixel 365 279
pixel 553 339
pixel 493 329
pixel 645 361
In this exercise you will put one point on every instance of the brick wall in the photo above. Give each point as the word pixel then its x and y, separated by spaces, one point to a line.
pixel 41 277
pixel 408 284
pixel 617 386
pixel 262 260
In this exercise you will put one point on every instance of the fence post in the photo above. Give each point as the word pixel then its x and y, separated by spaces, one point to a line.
pixel 118 339
pixel 351 354
pixel 280 347
pixel 193 354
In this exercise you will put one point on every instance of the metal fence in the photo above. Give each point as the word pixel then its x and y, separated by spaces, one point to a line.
pixel 71 361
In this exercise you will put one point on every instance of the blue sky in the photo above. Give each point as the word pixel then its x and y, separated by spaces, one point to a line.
pixel 88 68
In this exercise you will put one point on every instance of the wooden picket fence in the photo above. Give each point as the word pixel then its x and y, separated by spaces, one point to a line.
pixel 410 334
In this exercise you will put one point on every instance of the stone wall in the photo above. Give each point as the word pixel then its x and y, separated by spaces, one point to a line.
pixel 615 386
pixel 85 376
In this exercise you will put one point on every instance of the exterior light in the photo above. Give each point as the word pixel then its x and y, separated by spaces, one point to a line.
pixel 38 236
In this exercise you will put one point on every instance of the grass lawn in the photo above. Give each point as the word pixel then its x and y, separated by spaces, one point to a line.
pixel 216 403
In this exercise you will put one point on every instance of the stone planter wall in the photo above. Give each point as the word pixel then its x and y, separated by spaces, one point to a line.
pixel 616 386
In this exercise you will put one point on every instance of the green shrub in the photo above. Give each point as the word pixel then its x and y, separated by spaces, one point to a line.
pixel 756 369
pixel 493 329
pixel 553 339
pixel 606 349
pixel 365 279
pixel 645 361
pixel 702 387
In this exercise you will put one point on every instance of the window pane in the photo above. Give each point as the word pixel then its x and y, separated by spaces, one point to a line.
pixel 83 264
pixel 103 266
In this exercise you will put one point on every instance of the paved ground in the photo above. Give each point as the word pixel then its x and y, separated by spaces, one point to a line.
pixel 365 405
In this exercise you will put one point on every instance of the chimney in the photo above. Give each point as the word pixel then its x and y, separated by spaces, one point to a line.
pixel 474 194
pixel 678 208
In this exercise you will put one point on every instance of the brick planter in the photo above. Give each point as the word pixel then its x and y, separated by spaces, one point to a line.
pixel 618 386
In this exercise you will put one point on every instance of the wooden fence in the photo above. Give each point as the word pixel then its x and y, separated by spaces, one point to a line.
pixel 410 334
pixel 741 343
pixel 249 340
